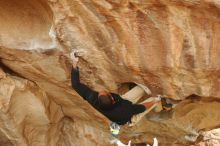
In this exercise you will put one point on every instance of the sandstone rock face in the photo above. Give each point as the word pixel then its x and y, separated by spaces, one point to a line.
pixel 170 46
pixel 212 137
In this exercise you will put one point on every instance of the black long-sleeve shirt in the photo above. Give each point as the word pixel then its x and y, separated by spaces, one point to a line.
pixel 121 112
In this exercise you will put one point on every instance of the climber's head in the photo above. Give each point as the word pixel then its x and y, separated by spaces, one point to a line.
pixel 106 101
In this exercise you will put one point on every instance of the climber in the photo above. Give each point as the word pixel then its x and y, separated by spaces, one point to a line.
pixel 111 105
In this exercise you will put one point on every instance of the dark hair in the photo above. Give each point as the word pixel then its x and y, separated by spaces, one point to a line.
pixel 105 102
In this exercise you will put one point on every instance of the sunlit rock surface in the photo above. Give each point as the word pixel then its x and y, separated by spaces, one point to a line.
pixel 170 46
pixel 211 138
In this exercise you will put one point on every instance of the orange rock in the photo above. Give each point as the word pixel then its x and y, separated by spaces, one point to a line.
pixel 170 46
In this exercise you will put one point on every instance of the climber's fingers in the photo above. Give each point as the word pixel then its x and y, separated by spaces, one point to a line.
pixel 74 57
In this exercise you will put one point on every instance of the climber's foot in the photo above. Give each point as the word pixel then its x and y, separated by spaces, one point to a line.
pixel 166 106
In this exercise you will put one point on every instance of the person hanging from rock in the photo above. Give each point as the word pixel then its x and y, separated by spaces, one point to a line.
pixel 111 105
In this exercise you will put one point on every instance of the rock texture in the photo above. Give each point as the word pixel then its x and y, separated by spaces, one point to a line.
pixel 170 46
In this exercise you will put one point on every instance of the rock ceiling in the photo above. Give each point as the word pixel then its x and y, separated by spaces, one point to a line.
pixel 170 46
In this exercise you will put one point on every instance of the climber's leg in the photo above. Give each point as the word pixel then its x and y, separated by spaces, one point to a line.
pixel 136 118
pixel 159 107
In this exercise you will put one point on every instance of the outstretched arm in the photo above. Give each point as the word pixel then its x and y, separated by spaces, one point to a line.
pixel 81 89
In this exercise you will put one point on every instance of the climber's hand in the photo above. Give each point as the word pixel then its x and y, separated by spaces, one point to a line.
pixel 74 59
